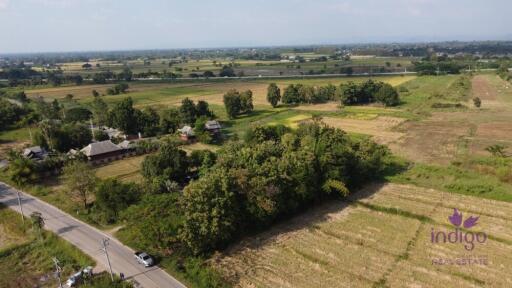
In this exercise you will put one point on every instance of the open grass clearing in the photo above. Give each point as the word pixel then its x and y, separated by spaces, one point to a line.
pixel 126 170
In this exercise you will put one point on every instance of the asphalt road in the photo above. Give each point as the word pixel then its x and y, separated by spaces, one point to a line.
pixel 89 239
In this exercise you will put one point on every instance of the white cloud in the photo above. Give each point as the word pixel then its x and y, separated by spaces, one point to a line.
pixel 4 4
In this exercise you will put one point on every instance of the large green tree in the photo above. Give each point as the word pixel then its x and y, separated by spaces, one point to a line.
pixel 210 213
pixel 232 103
pixel 124 117
pixel 188 111
pixel 113 196
pixel 80 181
pixel 273 94
pixel 169 162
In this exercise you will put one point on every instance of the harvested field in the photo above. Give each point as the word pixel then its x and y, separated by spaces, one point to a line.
pixel 380 127
pixel 381 237
pixel 435 140
pixel 482 88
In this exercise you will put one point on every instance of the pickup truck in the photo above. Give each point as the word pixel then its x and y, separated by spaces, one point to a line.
pixel 144 258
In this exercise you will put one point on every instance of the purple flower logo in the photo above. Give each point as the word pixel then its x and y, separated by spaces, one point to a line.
pixel 470 222
pixel 456 219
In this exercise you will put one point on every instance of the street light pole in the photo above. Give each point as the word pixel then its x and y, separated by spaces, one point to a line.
pixel 105 244
pixel 21 207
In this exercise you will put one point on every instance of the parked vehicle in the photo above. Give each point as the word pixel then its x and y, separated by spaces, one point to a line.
pixel 78 277
pixel 144 258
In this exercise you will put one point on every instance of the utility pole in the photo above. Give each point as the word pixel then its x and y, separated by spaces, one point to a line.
pixel 30 133
pixel 92 129
pixel 57 270
pixel 105 244
pixel 21 207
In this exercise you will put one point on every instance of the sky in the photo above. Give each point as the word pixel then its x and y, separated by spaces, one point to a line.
pixel 94 25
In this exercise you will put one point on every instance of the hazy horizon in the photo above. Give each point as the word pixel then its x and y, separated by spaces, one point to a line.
pixel 44 26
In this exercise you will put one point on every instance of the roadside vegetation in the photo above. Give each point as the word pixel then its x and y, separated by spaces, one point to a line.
pixel 26 253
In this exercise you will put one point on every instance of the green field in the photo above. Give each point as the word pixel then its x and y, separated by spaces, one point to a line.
pixel 250 67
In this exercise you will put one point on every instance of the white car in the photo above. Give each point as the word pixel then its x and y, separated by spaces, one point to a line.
pixel 77 278
pixel 144 258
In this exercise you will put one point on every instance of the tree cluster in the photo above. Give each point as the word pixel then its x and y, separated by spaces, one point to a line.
pixel 237 103
pixel 252 185
pixel 299 93
pixel 437 68
pixel 10 114
pixel 368 92
pixel 120 88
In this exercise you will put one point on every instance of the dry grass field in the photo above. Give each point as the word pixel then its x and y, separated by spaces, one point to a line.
pixel 126 170
pixel 381 238
pixel 448 134
pixel 379 128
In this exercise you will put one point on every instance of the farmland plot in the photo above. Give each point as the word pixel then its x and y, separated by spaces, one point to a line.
pixel 381 237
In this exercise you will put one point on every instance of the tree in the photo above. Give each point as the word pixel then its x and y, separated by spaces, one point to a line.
pixel 21 169
pixel 188 111
pixel 148 121
pixel 227 71
pixel 125 75
pixel 273 94
pixel 170 120
pixel 80 181
pixel 290 95
pixel 232 103
pixel 202 109
pixel 78 114
pixel 100 135
pixel 477 102
pixel 70 136
pixel 113 196
pixel 208 74
pixel 306 94
pixel 99 110
pixel 155 222
pixel 123 116
pixel 10 114
pixel 387 95
pixel 37 220
pixel 99 78
pixel 199 129
pixel 170 163
pixel 210 213
pixel 246 105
